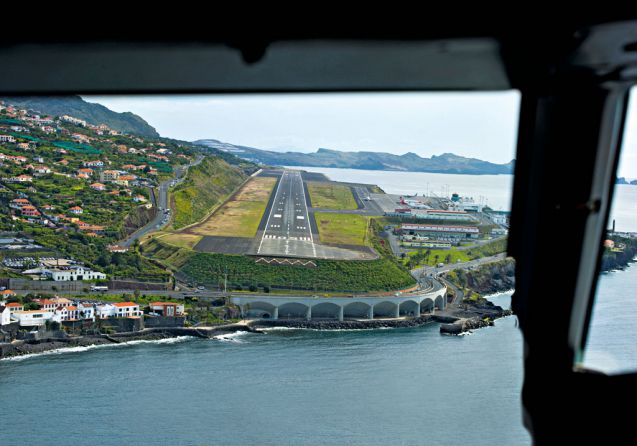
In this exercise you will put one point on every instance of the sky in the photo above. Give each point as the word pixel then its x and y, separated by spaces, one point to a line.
pixel 628 158
pixel 474 124
pixel 479 125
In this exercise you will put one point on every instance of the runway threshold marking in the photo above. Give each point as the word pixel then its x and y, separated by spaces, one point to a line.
pixel 270 215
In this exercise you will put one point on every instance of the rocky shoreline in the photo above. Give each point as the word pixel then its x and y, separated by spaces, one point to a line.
pixel 358 324
pixel 470 315
pixel 21 348
pixel 455 320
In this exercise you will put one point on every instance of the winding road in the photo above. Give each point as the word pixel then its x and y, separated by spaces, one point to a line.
pixel 161 203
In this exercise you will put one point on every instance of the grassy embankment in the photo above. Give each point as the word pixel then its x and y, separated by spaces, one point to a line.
pixel 384 274
pixel 331 196
pixel 432 257
pixel 238 217
pixel 342 229
pixel 205 187
pixel 241 215
pixel 337 229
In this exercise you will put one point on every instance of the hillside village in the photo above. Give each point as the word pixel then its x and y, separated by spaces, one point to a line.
pixel 75 189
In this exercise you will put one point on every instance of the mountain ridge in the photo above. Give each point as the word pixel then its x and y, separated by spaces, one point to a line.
pixel 93 113
pixel 324 157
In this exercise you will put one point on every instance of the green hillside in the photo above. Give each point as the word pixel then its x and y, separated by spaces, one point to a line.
pixel 207 185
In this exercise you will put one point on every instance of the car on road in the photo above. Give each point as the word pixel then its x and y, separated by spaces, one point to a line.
pixel 201 287
pixel 440 265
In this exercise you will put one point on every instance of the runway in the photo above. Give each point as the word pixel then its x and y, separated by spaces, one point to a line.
pixel 288 231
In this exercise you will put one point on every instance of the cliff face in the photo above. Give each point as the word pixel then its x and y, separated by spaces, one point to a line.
pixel 487 279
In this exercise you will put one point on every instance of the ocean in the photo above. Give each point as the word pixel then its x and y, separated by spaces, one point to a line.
pixel 366 387
pixel 291 387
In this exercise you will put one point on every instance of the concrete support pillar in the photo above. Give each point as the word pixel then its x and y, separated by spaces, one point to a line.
pixel 370 313
pixel 397 312
pixel 275 313
pixel 308 316
pixel 340 313
pixel 243 310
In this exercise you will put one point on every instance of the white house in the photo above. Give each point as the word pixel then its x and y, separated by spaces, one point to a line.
pixel 69 313
pixel 14 306
pixel 73 120
pixel 75 273
pixel 46 304
pixel 105 311
pixel 86 311
pixel 75 313
pixel 5 315
pixel 34 318
pixel 127 309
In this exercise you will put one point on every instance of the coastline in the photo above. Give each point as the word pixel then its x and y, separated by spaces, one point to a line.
pixel 455 320
pixel 22 348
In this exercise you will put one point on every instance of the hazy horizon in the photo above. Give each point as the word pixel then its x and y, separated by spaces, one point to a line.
pixel 422 123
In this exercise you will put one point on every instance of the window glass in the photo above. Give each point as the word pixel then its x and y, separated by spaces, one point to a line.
pixel 612 340
pixel 363 235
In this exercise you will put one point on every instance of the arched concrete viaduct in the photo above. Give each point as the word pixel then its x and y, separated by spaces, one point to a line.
pixel 409 308
pixel 260 309
pixel 341 307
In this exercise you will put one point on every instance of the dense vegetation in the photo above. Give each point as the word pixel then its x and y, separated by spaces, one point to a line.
pixel 383 274
pixel 329 275
pixel 205 187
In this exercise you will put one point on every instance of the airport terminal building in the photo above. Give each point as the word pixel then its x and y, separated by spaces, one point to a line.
pixel 453 233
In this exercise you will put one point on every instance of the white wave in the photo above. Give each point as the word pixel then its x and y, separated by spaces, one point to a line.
pixel 279 329
pixel 268 329
pixel 501 293
pixel 77 349
pixel 231 337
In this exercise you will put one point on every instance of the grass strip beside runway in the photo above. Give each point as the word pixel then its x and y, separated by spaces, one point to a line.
pixel 239 217
pixel 342 229
pixel 331 196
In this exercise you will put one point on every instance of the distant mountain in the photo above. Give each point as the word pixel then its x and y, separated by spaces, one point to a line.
pixel 445 163
pixel 623 180
pixel 77 107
